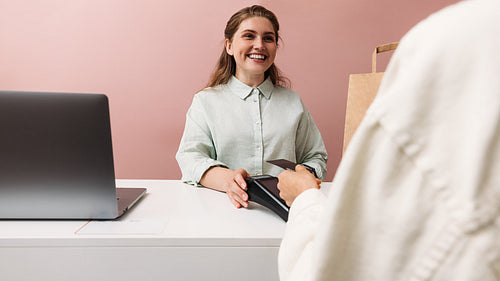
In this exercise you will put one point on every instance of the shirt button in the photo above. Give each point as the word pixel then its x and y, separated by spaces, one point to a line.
pixel 255 100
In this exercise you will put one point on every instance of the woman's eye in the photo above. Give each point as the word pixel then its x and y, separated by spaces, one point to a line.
pixel 269 39
pixel 247 35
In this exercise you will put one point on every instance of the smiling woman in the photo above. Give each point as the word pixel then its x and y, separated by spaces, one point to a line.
pixel 226 66
pixel 246 116
pixel 253 48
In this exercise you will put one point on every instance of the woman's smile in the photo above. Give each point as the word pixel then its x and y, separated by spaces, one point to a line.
pixel 253 48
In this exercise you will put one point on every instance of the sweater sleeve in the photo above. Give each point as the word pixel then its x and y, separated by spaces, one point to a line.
pixel 295 251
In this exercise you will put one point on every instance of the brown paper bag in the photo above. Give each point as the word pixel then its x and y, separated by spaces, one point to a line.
pixel 362 90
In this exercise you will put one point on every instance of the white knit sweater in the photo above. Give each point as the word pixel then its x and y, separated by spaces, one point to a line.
pixel 417 194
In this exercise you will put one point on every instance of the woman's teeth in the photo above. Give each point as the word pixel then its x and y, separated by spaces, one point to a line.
pixel 257 57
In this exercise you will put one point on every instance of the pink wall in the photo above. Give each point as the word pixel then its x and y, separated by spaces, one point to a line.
pixel 150 57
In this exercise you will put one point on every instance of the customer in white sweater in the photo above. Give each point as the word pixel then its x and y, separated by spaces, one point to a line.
pixel 417 194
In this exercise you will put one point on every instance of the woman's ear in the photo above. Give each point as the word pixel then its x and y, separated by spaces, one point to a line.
pixel 228 46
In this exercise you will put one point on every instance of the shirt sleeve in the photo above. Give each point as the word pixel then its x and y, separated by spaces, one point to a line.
pixel 196 153
pixel 310 149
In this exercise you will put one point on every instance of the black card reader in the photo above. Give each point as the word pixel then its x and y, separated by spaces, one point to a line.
pixel 264 191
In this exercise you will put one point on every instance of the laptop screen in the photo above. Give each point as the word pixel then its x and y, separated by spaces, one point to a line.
pixel 56 156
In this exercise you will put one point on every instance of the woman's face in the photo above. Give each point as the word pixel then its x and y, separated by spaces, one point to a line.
pixel 253 47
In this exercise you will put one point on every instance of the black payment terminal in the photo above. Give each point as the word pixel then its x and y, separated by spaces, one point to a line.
pixel 264 191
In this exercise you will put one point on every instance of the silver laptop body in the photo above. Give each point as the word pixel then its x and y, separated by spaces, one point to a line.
pixel 56 158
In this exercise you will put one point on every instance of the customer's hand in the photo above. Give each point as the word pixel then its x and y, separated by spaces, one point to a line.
pixel 291 184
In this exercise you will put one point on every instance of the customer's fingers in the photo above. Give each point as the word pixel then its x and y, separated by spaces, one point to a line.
pixel 300 168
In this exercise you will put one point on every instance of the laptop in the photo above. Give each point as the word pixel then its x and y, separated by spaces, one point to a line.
pixel 56 158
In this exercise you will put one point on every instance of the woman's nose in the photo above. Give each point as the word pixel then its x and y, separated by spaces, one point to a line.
pixel 258 43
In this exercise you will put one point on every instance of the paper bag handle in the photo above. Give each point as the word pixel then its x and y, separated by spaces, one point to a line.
pixel 381 49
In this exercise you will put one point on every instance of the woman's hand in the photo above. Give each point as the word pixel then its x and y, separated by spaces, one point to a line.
pixel 291 184
pixel 235 188
pixel 229 181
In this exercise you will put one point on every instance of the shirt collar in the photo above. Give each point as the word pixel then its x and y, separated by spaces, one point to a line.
pixel 243 90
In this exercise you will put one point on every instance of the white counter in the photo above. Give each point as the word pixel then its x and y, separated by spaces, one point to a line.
pixel 176 232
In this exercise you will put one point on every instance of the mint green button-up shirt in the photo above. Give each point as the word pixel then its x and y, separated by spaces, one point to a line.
pixel 237 126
